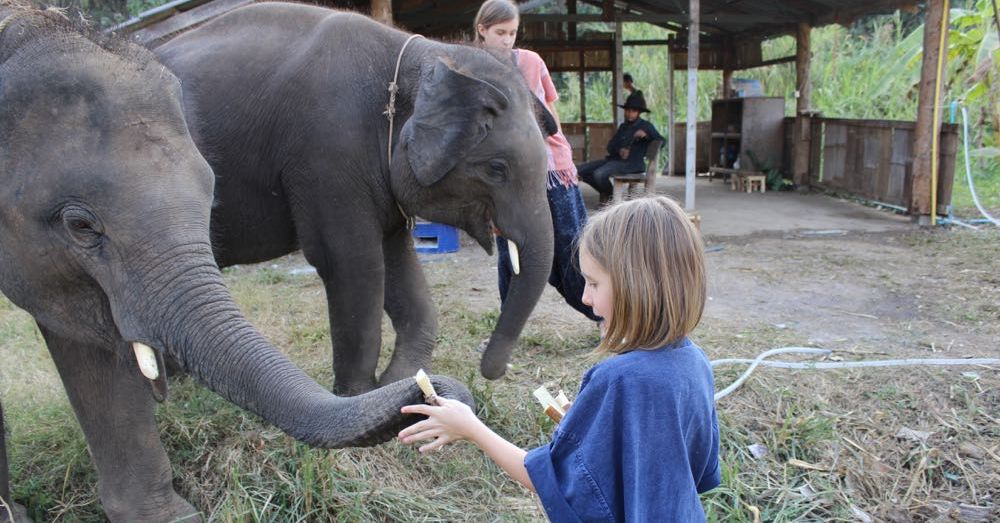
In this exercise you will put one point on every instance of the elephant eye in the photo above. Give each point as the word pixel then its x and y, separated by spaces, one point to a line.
pixel 496 170
pixel 82 226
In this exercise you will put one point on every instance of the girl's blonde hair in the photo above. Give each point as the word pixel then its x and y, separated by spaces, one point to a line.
pixel 655 258
pixel 494 12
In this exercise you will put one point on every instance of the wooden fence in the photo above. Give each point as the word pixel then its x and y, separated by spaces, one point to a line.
pixel 873 160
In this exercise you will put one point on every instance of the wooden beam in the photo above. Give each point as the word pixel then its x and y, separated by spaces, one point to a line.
pixel 382 11
pixel 671 115
pixel 694 10
pixel 616 81
pixel 621 17
pixel 920 195
pixel 802 134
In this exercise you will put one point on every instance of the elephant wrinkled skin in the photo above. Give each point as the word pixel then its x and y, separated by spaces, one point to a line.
pixel 104 240
pixel 288 103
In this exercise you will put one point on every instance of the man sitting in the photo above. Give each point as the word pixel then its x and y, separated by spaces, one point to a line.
pixel 626 150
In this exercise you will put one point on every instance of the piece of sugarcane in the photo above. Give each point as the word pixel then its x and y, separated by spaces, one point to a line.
pixel 425 385
pixel 551 406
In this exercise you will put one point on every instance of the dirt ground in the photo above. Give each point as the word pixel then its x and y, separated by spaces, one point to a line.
pixel 901 291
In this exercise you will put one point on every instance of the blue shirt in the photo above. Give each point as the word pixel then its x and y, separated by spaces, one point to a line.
pixel 640 442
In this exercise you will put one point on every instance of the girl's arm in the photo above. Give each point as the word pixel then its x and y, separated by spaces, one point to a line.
pixel 452 420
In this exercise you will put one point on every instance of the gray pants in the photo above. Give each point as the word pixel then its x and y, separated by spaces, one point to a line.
pixel 598 173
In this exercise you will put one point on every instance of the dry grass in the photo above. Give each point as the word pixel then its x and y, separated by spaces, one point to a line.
pixel 836 448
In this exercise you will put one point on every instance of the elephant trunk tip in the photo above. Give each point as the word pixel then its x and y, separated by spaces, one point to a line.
pixel 494 363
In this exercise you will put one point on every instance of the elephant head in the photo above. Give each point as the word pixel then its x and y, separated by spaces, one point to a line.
pixel 472 155
pixel 104 233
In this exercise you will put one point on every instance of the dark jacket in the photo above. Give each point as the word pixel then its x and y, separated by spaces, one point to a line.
pixel 625 137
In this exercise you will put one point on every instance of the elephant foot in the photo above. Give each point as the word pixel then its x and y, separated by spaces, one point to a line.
pixel 176 511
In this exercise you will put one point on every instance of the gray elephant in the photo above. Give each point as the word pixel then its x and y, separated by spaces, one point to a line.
pixel 288 103
pixel 104 240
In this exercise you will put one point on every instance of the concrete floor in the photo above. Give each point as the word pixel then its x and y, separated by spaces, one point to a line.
pixel 728 213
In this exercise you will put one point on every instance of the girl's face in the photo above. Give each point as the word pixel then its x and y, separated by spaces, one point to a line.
pixel 598 293
pixel 499 36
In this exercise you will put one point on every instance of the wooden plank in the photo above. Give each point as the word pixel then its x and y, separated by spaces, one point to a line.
pixel 815 153
pixel 946 172
pixel 834 150
pixel 883 146
pixel 852 167
pixel 900 168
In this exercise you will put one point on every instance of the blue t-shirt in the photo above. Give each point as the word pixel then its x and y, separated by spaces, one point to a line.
pixel 640 442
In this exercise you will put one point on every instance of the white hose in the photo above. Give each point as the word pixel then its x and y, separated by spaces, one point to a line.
pixel 968 169
pixel 759 360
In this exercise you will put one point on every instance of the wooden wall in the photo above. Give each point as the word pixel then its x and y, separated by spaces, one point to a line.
pixel 873 160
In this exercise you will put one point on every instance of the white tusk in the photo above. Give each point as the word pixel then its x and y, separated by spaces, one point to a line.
pixel 515 258
pixel 146 359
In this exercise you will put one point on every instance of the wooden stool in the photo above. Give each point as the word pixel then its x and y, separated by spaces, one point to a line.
pixel 626 185
pixel 745 182
pixel 755 182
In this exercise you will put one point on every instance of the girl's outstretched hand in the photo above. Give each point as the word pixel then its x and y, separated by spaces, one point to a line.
pixel 449 420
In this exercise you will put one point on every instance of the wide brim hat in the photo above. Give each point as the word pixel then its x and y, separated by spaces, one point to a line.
pixel 635 101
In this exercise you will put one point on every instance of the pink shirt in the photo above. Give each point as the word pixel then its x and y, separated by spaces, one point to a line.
pixel 536 74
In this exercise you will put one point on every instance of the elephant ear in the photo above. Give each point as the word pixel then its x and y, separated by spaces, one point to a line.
pixel 452 114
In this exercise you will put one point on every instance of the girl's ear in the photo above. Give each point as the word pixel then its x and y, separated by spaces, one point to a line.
pixel 481 29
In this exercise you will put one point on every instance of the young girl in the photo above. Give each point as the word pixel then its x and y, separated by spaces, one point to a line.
pixel 496 28
pixel 641 440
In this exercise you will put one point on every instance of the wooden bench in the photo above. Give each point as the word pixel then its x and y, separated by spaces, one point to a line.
pixel 626 185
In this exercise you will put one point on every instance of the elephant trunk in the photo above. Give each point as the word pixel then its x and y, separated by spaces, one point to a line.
pixel 534 243
pixel 204 330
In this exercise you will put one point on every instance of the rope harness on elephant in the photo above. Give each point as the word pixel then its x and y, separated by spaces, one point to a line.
pixel 390 113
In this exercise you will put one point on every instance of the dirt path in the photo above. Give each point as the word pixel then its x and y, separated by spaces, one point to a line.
pixel 911 294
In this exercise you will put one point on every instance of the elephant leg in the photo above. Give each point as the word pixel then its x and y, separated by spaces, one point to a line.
pixel 114 406
pixel 408 304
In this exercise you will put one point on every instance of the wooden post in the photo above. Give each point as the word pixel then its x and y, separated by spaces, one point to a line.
pixel 727 83
pixel 927 105
pixel 382 11
pixel 801 133
pixel 671 113
pixel 692 105
pixel 616 82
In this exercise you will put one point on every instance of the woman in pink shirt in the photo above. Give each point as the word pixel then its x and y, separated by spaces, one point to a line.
pixel 496 27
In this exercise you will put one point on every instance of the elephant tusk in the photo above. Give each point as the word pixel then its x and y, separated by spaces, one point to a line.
pixel 515 258
pixel 146 359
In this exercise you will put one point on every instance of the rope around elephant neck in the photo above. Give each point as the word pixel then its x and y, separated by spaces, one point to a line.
pixel 390 113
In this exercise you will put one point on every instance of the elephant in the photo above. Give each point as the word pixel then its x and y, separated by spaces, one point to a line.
pixel 289 104
pixel 105 204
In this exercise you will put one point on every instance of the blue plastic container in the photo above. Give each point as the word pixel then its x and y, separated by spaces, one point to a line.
pixel 435 238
